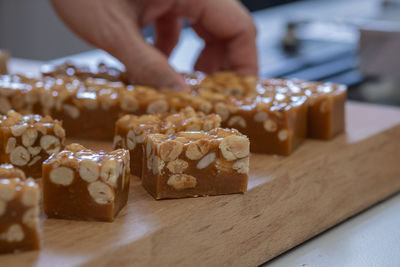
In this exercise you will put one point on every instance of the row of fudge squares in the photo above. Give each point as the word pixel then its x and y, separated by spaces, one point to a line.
pixel 277 115
pixel 184 164
pixel 325 100
pixel 30 141
pixel 178 159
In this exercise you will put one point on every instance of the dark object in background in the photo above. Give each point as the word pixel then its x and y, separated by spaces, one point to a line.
pixel 254 5
pixel 290 42
pixel 4 56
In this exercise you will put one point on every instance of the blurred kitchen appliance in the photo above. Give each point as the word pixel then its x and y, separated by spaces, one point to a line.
pixel 380 42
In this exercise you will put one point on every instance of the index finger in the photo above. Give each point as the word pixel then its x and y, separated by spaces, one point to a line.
pixel 228 21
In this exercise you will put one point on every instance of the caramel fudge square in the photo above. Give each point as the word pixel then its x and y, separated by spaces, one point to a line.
pixel 275 123
pixel 19 211
pixel 196 163
pixel 326 109
pixel 131 130
pixel 85 185
pixel 26 141
pixel 325 104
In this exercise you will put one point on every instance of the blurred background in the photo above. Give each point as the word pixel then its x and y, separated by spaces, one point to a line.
pixel 354 42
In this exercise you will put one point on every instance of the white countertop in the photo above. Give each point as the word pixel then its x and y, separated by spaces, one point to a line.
pixel 371 238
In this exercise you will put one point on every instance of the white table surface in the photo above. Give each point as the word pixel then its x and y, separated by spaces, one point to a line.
pixel 371 238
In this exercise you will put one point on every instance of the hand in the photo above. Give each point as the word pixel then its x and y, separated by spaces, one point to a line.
pixel 115 26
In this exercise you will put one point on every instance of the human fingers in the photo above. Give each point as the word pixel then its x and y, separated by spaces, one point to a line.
pixel 226 21
pixel 167 30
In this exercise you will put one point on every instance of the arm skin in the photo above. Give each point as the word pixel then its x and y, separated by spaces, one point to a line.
pixel 115 26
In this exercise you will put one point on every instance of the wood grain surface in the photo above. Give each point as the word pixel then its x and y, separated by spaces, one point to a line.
pixel 289 200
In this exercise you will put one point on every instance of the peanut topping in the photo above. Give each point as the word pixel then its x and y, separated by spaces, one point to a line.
pixel 7 189
pixel 197 149
pixel 88 170
pixel 72 111
pixel 191 135
pixel 177 166
pixel 59 131
pixel 223 165
pixel 130 140
pixel 101 193
pixel 50 144
pixel 31 217
pixel 234 147
pixel 261 116
pixel 62 176
pixel 30 195
pixel 29 137
pixel 110 172
pixel 18 130
pixel 34 150
pixel 237 121
pixel 34 160
pixel 129 102
pixel 159 106
pixel 283 135
pixel 157 165
pixel 47 99
pixel 182 181
pixel 91 166
pixel 74 147
pixel 19 156
pixel 9 171
pixel 149 149
pixel 270 126
pixel 170 150
pixel 11 142
pixel 15 233
pixel 241 165
pixel 222 110
pixel 206 161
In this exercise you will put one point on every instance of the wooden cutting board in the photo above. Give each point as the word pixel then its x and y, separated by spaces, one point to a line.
pixel 289 200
